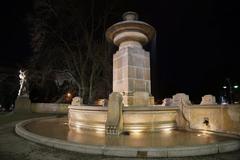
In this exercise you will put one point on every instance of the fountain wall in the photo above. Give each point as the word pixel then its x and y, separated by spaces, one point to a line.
pixel 220 118
pixel 135 119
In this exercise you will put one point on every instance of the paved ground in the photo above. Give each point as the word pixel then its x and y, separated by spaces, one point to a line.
pixel 13 147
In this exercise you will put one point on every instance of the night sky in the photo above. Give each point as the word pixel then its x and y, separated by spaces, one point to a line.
pixel 197 43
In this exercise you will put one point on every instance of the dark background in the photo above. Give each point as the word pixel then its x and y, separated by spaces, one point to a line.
pixel 197 43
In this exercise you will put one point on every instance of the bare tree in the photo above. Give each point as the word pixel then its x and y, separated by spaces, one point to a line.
pixel 69 38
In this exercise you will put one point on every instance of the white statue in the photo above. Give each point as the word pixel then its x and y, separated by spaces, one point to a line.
pixel 23 83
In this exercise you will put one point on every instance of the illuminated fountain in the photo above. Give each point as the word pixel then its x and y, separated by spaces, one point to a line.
pixel 131 106
pixel 131 125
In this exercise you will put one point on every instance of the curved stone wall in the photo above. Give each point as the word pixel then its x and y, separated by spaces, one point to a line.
pixel 146 119
pixel 88 117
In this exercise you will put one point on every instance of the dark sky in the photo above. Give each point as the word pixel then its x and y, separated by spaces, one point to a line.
pixel 197 42
pixel 15 44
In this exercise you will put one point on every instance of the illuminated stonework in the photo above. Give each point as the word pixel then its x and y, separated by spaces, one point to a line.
pixel 208 99
pixel 131 63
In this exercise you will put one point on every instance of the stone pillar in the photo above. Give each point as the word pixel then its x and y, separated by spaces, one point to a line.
pixel 131 63
pixel 131 72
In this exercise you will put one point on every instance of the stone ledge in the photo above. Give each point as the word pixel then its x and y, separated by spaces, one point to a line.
pixel 85 107
pixel 151 108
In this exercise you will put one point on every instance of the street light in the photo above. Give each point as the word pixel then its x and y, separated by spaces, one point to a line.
pixel 230 91
pixel 69 94
pixel 236 86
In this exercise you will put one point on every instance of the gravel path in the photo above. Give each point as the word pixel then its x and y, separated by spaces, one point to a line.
pixel 13 147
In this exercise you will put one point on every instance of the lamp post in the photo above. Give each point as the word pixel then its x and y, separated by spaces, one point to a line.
pixel 236 98
pixel 230 91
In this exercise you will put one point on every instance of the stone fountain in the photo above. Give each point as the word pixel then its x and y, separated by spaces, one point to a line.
pixel 131 125
pixel 131 106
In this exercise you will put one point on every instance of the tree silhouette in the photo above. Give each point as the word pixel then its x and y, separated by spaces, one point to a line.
pixel 68 38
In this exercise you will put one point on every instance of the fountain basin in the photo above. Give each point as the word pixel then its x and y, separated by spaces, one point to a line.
pixel 132 30
pixel 135 118
pixel 55 132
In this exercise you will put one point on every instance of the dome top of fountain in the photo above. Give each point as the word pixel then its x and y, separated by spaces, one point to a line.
pixel 130 29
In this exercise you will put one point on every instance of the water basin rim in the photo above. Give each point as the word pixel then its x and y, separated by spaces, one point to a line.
pixel 121 151
pixel 20 129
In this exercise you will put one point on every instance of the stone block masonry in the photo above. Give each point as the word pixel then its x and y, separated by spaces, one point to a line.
pixel 131 74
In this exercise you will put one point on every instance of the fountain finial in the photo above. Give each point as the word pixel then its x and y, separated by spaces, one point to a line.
pixel 130 16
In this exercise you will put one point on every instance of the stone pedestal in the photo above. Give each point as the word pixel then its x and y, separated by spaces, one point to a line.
pixel 131 73
pixel 22 105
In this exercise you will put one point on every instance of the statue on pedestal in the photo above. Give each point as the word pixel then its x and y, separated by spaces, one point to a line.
pixel 23 103
pixel 23 90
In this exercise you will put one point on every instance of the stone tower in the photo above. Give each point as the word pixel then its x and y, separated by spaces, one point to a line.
pixel 131 63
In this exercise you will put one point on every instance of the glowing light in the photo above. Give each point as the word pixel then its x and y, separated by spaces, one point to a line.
pixel 224 87
pixel 136 132
pixel 198 135
pixel 205 133
pixel 236 86
pixel 100 130
pixel 167 130
pixel 69 94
